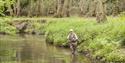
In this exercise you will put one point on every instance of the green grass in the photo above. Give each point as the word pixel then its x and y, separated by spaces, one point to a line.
pixel 102 39
pixel 8 25
pixel 5 26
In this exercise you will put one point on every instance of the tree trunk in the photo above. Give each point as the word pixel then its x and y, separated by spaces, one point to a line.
pixel 30 8
pixel 100 11
pixel 14 9
pixel 91 9
pixel 59 12
pixel 66 8
pixel 40 7
pixel 18 8
pixel 10 10
pixel 116 10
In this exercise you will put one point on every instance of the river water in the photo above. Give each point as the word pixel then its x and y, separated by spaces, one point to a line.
pixel 34 49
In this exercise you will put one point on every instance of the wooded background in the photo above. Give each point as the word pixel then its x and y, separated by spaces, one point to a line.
pixel 61 8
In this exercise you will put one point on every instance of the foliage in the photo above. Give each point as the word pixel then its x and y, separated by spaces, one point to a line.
pixel 6 27
pixel 9 25
pixel 5 4
pixel 50 7
pixel 116 55
pixel 122 14
pixel 1 7
pixel 101 39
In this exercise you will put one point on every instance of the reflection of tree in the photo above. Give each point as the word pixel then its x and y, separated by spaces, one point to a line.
pixel 24 53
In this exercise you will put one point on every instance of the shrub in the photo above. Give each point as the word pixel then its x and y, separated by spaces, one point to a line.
pixel 6 27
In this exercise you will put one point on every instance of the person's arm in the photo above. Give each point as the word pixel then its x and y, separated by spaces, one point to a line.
pixel 76 36
pixel 68 36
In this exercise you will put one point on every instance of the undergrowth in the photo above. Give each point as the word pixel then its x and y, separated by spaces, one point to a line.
pixel 102 39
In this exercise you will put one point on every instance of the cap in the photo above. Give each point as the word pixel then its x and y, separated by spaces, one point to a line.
pixel 71 29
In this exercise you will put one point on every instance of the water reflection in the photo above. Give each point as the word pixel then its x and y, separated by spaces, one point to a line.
pixel 33 49
pixel 73 58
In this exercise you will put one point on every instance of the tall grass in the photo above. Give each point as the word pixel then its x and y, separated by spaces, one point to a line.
pixel 5 27
pixel 8 25
pixel 102 39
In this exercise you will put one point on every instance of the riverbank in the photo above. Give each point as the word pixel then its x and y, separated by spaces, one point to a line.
pixel 103 41
pixel 13 25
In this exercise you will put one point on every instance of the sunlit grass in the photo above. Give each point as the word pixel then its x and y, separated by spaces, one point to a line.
pixel 101 38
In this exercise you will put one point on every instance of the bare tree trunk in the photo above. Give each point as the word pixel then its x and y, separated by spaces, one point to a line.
pixel 40 7
pixel 66 8
pixel 10 10
pixel 81 6
pixel 116 8
pixel 14 9
pixel 84 7
pixel 37 8
pixel 60 8
pixel 18 8
pixel 30 8
pixel 100 11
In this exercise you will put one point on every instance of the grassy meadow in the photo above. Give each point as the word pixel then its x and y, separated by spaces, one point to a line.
pixel 106 40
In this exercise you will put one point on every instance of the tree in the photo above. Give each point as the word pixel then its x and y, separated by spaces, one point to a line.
pixel 66 8
pixel 9 4
pixel 6 4
pixel 30 8
pixel 91 8
pixel 100 11
pixel 59 12
pixel 62 8
pixel 18 8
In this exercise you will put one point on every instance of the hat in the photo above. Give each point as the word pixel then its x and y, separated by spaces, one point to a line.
pixel 71 29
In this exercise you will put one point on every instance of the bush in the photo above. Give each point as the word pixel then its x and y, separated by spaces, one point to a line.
pixel 5 27
pixel 115 56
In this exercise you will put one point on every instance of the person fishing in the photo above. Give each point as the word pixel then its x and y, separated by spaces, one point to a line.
pixel 72 39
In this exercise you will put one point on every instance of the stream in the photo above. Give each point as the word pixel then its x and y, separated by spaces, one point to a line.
pixel 34 49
